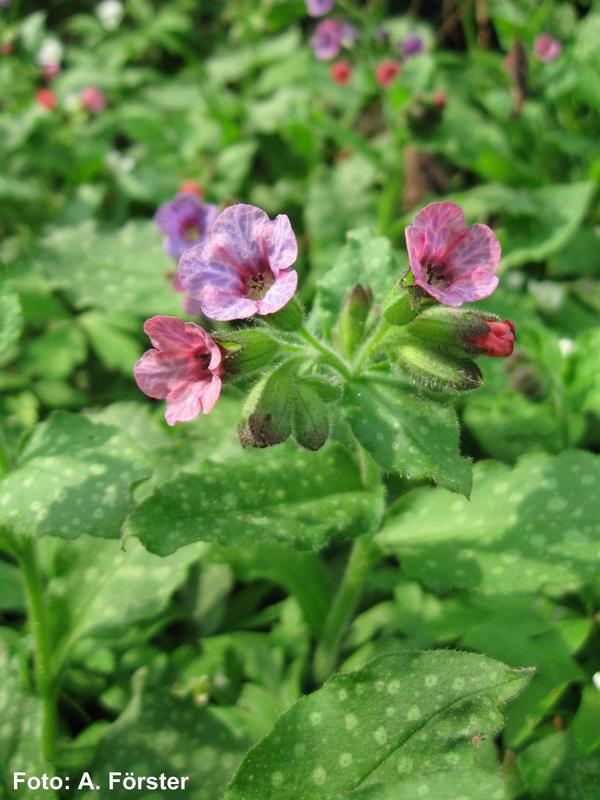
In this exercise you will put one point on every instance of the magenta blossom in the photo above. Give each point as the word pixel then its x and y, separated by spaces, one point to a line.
pixel 243 268
pixel 93 99
pixel 412 46
pixel 546 48
pixel 185 221
pixel 329 37
pixel 184 367
pixel 317 8
pixel 451 262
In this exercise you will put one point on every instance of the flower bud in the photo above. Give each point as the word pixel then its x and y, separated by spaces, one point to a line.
pixel 353 318
pixel 435 369
pixel 498 341
pixel 289 318
pixel 246 351
pixel 268 411
pixel 451 329
pixel 341 72
pixel 402 304
pixel 311 418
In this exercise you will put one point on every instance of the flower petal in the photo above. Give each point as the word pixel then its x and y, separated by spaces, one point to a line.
pixel 443 224
pixel 155 372
pixel 280 243
pixel 224 306
pixel 184 402
pixel 172 333
pixel 280 293
pixel 478 250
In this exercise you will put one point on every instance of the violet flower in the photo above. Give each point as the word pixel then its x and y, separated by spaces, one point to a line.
pixel 184 368
pixel 451 262
pixel 185 221
pixel 329 36
pixel 412 46
pixel 318 8
pixel 243 267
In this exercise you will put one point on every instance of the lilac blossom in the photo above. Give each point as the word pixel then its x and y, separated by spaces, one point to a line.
pixel 329 37
pixel 412 46
pixel 546 48
pixel 185 221
pixel 318 8
pixel 243 267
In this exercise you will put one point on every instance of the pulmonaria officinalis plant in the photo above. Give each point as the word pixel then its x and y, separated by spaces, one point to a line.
pixel 300 383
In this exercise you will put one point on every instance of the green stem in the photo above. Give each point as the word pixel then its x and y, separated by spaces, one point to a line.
pixel 5 459
pixel 38 621
pixel 327 354
pixel 369 345
pixel 344 605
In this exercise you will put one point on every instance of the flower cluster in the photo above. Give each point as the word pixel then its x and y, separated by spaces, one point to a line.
pixel 238 264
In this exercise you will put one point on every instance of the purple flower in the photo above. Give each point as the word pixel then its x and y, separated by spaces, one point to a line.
pixel 243 267
pixel 184 368
pixel 451 262
pixel 412 46
pixel 546 48
pixel 185 221
pixel 317 8
pixel 329 37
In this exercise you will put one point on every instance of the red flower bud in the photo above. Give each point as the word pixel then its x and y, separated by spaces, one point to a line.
pixel 341 72
pixel 439 99
pixel 191 187
pixel 387 72
pixel 499 341
pixel 45 98
pixel 6 48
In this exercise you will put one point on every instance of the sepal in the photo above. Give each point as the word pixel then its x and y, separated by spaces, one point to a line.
pixel 267 413
pixel 246 351
pixel 451 328
pixel 435 369
pixel 311 419
pixel 402 304
pixel 290 318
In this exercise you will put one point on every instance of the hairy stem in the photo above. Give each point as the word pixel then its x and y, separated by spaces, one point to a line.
pixel 328 355
pixel 344 605
pixel 34 593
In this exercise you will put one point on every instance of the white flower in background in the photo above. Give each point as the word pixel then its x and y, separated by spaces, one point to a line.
pixel 50 53
pixel 119 163
pixel 110 13
pixel 549 295
pixel 596 680
pixel 566 346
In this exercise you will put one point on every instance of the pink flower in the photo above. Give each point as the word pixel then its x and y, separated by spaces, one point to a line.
pixel 46 98
pixel 439 99
pixel 341 72
pixel 93 99
pixel 499 341
pixel 387 72
pixel 50 71
pixel 184 367
pixel 451 262
pixel 243 267
pixel 317 8
pixel 546 48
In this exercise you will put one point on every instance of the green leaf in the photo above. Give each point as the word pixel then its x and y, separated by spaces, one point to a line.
pixel 11 320
pixel 120 270
pixel 100 588
pixel 402 715
pixel 116 348
pixel 366 259
pixel 525 528
pixel 20 732
pixel 468 784
pixel 409 434
pixel 158 733
pixel 281 494
pixel 56 353
pixel 73 477
pixel 553 770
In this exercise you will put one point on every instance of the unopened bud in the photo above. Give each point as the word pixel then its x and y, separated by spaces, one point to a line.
pixel 246 350
pixel 353 319
pixel 452 329
pixel 434 369
pixel 267 414
pixel 289 318
pixel 499 339
pixel 311 419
